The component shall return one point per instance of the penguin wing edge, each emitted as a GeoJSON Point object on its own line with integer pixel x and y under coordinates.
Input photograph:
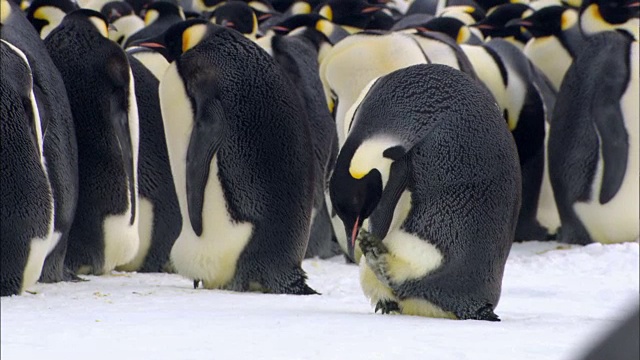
{"type": "Point", "coordinates": [206, 138]}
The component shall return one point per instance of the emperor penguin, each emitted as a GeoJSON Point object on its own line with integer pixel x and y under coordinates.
{"type": "Point", "coordinates": [159, 16]}
{"type": "Point", "coordinates": [59, 140]}
{"type": "Point", "coordinates": [123, 20]}
{"type": "Point", "coordinates": [27, 202]}
{"type": "Point", "coordinates": [433, 7]}
{"type": "Point", "coordinates": [297, 55]}
{"type": "Point", "coordinates": [556, 40]}
{"type": "Point", "coordinates": [239, 151]}
{"type": "Point", "coordinates": [429, 161]}
{"type": "Point", "coordinates": [160, 220]}
{"type": "Point", "coordinates": [594, 143]}
{"type": "Point", "coordinates": [101, 92]}
{"type": "Point", "coordinates": [45, 15]}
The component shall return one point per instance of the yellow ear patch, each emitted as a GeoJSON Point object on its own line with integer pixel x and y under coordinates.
{"type": "Point", "coordinates": [594, 10]}
{"type": "Point", "coordinates": [40, 13]}
{"type": "Point", "coordinates": [356, 174]}
{"type": "Point", "coordinates": [151, 16]}
{"type": "Point", "coordinates": [24, 5]}
{"type": "Point", "coordinates": [327, 12]}
{"type": "Point", "coordinates": [527, 13]}
{"type": "Point", "coordinates": [100, 25]}
{"type": "Point", "coordinates": [325, 27]}
{"type": "Point", "coordinates": [463, 35]}
{"type": "Point", "coordinates": [574, 3]}
{"type": "Point", "coordinates": [5, 10]}
{"type": "Point", "coordinates": [300, 7]}
{"type": "Point", "coordinates": [192, 36]}
{"type": "Point", "coordinates": [254, 28]}
{"type": "Point", "coordinates": [258, 6]}
{"type": "Point", "coordinates": [569, 19]}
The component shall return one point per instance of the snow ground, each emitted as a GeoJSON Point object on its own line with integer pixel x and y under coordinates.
{"type": "Point", "coordinates": [554, 302]}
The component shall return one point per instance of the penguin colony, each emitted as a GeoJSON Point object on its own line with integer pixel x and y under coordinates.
{"type": "Point", "coordinates": [226, 141]}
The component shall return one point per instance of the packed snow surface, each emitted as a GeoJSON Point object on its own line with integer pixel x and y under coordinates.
{"type": "Point", "coordinates": [555, 301]}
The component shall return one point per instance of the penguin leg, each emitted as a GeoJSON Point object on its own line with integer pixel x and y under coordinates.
{"type": "Point", "coordinates": [377, 256]}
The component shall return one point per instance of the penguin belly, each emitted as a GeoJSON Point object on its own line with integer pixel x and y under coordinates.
{"type": "Point", "coordinates": [550, 56]}
{"type": "Point", "coordinates": [211, 257]}
{"type": "Point", "coordinates": [617, 220]}
{"type": "Point", "coordinates": [547, 214]}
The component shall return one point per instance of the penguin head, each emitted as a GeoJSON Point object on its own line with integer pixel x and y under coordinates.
{"type": "Point", "coordinates": [449, 26]}
{"type": "Point", "coordinates": [494, 24]}
{"type": "Point", "coordinates": [604, 15]}
{"type": "Point", "coordinates": [465, 13]}
{"type": "Point", "coordinates": [354, 15]}
{"type": "Point", "coordinates": [207, 5]}
{"type": "Point", "coordinates": [236, 15]}
{"type": "Point", "coordinates": [88, 20]}
{"type": "Point", "coordinates": [114, 10]}
{"type": "Point", "coordinates": [182, 37]}
{"type": "Point", "coordinates": [45, 15]}
{"type": "Point", "coordinates": [361, 173]}
{"type": "Point", "coordinates": [162, 9]}
{"type": "Point", "coordinates": [296, 21]}
{"type": "Point", "coordinates": [489, 5]}
{"type": "Point", "coordinates": [548, 21]}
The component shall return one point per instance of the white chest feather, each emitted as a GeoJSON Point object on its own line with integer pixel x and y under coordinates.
{"type": "Point", "coordinates": [437, 51]}
{"type": "Point", "coordinates": [617, 220]}
{"type": "Point", "coordinates": [211, 257]}
{"type": "Point", "coordinates": [126, 26]}
{"type": "Point", "coordinates": [488, 72]}
{"type": "Point", "coordinates": [550, 56]}
{"type": "Point", "coordinates": [154, 62]}
{"type": "Point", "coordinates": [547, 214]}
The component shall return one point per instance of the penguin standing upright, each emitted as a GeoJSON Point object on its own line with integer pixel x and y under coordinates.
{"type": "Point", "coordinates": [594, 141]}
{"type": "Point", "coordinates": [297, 55]}
{"type": "Point", "coordinates": [60, 147]}
{"type": "Point", "coordinates": [494, 25]}
{"type": "Point", "coordinates": [429, 161]}
{"type": "Point", "coordinates": [160, 219]}
{"type": "Point", "coordinates": [101, 92]}
{"type": "Point", "coordinates": [26, 209]}
{"type": "Point", "coordinates": [239, 151]}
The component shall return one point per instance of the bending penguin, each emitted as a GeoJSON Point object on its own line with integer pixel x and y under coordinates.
{"type": "Point", "coordinates": [594, 140]}
{"type": "Point", "coordinates": [239, 153]}
{"type": "Point", "coordinates": [27, 203]}
{"type": "Point", "coordinates": [429, 161]}
{"type": "Point", "coordinates": [101, 92]}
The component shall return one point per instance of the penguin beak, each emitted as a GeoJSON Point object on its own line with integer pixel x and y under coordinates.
{"type": "Point", "coordinates": [482, 26]}
{"type": "Point", "coordinates": [634, 4]}
{"type": "Point", "coordinates": [264, 16]}
{"type": "Point", "coordinates": [112, 28]}
{"type": "Point", "coordinates": [351, 244]}
{"type": "Point", "coordinates": [280, 28]}
{"type": "Point", "coordinates": [518, 23]}
{"type": "Point", "coordinates": [152, 45]}
{"type": "Point", "coordinates": [370, 9]}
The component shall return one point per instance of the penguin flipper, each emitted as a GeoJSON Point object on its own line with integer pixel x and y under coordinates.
{"type": "Point", "coordinates": [206, 137]}
{"type": "Point", "coordinates": [614, 139]}
{"type": "Point", "coordinates": [118, 71]}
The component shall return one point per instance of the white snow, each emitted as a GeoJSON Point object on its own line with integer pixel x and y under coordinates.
{"type": "Point", "coordinates": [554, 302]}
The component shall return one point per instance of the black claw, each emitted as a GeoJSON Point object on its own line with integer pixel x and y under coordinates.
{"type": "Point", "coordinates": [387, 307]}
{"type": "Point", "coordinates": [486, 313]}
{"type": "Point", "coordinates": [196, 283]}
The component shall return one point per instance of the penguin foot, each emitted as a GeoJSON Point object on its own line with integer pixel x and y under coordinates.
{"type": "Point", "coordinates": [387, 307]}
{"type": "Point", "coordinates": [376, 255]}
{"type": "Point", "coordinates": [486, 313]}
{"type": "Point", "coordinates": [71, 276]}
{"type": "Point", "coordinates": [196, 283]}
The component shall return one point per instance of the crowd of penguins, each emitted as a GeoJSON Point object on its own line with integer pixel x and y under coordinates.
{"type": "Point", "coordinates": [226, 141]}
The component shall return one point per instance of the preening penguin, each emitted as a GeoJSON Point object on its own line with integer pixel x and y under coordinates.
{"type": "Point", "coordinates": [124, 20]}
{"type": "Point", "coordinates": [239, 152]}
{"type": "Point", "coordinates": [60, 148]}
{"type": "Point", "coordinates": [160, 219]}
{"type": "Point", "coordinates": [593, 143]}
{"type": "Point", "coordinates": [429, 161]}
{"type": "Point", "coordinates": [101, 92]}
{"type": "Point", "coordinates": [26, 208]}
